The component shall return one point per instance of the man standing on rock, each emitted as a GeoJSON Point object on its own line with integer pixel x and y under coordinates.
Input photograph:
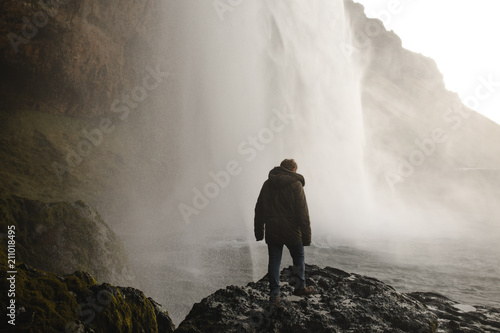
{"type": "Point", "coordinates": [281, 212]}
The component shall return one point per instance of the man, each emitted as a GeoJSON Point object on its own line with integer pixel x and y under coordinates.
{"type": "Point", "coordinates": [281, 214]}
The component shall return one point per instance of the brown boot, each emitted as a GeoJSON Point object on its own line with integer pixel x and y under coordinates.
{"type": "Point", "coordinates": [303, 291]}
{"type": "Point", "coordinates": [274, 300]}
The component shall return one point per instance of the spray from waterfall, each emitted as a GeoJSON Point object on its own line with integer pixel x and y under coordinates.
{"type": "Point", "coordinates": [268, 82]}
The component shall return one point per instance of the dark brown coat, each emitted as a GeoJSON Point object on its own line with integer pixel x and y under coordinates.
{"type": "Point", "coordinates": [281, 212]}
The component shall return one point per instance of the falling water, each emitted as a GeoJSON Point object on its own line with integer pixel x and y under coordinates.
{"type": "Point", "coordinates": [269, 81]}
{"type": "Point", "coordinates": [311, 76]}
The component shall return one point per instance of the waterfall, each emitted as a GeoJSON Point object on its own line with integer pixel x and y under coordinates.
{"type": "Point", "coordinates": [310, 74]}
{"type": "Point", "coordinates": [264, 81]}
{"type": "Point", "coordinates": [250, 84]}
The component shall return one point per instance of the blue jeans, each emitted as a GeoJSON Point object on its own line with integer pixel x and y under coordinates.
{"type": "Point", "coordinates": [275, 252]}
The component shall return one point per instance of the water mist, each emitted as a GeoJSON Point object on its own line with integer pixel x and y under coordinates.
{"type": "Point", "coordinates": [248, 87]}
{"type": "Point", "coordinates": [268, 82]}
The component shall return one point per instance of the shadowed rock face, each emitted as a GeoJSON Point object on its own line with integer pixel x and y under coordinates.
{"type": "Point", "coordinates": [74, 57]}
{"type": "Point", "coordinates": [342, 302]}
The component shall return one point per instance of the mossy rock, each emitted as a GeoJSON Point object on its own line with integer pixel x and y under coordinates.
{"type": "Point", "coordinates": [48, 302]}
{"type": "Point", "coordinates": [63, 237]}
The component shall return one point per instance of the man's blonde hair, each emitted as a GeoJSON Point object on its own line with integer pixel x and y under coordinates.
{"type": "Point", "coordinates": [289, 164]}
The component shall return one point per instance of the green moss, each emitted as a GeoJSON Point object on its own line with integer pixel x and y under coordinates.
{"type": "Point", "coordinates": [47, 304]}
{"type": "Point", "coordinates": [79, 283]}
{"type": "Point", "coordinates": [433, 326]}
{"type": "Point", "coordinates": [128, 311]}
{"type": "Point", "coordinates": [51, 302]}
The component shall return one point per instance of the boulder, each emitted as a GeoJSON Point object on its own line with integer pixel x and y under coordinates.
{"type": "Point", "coordinates": [460, 318]}
{"type": "Point", "coordinates": [48, 302]}
{"type": "Point", "coordinates": [63, 237]}
{"type": "Point", "coordinates": [343, 302]}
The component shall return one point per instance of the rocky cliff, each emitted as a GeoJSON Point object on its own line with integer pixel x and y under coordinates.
{"type": "Point", "coordinates": [74, 57]}
{"type": "Point", "coordinates": [423, 145]}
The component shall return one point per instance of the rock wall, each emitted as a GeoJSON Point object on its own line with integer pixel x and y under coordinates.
{"type": "Point", "coordinates": [74, 57]}
{"type": "Point", "coordinates": [423, 145]}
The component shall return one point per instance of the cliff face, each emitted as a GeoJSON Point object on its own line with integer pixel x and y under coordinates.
{"type": "Point", "coordinates": [423, 144]}
{"type": "Point", "coordinates": [74, 57]}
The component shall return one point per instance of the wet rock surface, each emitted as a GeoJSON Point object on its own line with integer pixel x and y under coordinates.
{"type": "Point", "coordinates": [342, 302]}
{"type": "Point", "coordinates": [456, 317]}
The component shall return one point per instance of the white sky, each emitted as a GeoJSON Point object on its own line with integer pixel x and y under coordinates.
{"type": "Point", "coordinates": [462, 36]}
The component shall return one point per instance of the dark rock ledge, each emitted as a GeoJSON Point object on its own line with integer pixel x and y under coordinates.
{"type": "Point", "coordinates": [343, 302]}
{"type": "Point", "coordinates": [456, 317]}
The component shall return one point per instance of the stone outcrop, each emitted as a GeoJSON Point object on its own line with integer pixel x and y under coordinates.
{"type": "Point", "coordinates": [343, 302]}
{"type": "Point", "coordinates": [63, 237]}
{"type": "Point", "coordinates": [47, 302]}
{"type": "Point", "coordinates": [456, 317]}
